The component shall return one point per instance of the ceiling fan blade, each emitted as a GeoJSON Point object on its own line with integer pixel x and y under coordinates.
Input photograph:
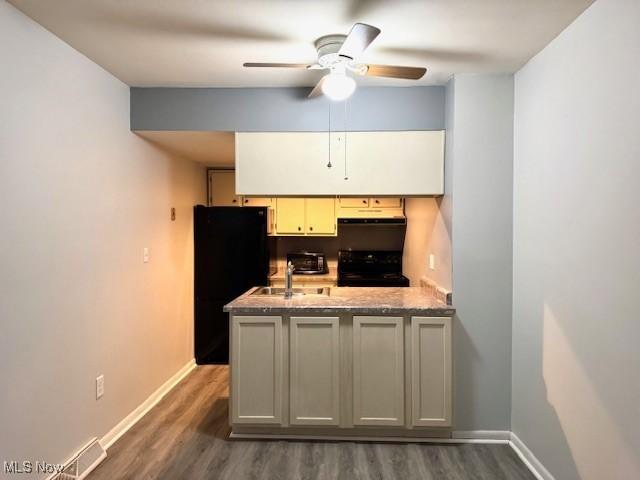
{"type": "Point", "coordinates": [359, 38]}
{"type": "Point", "coordinates": [317, 90]}
{"type": "Point", "coordinates": [278, 65]}
{"type": "Point", "coordinates": [394, 71]}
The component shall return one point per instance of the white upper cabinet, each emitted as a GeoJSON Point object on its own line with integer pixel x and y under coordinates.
{"type": "Point", "coordinates": [394, 163]}
{"type": "Point", "coordinates": [376, 163]}
{"type": "Point", "coordinates": [283, 163]}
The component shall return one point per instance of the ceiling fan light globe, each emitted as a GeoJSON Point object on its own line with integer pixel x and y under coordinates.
{"type": "Point", "coordinates": [338, 87]}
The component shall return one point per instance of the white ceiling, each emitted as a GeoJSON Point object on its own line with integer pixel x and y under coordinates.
{"type": "Point", "coordinates": [204, 43]}
{"type": "Point", "coordinates": [214, 149]}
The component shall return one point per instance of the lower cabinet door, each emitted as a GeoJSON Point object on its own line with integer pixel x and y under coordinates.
{"type": "Point", "coordinates": [314, 371]}
{"type": "Point", "coordinates": [378, 371]}
{"type": "Point", "coordinates": [431, 371]}
{"type": "Point", "coordinates": [256, 376]}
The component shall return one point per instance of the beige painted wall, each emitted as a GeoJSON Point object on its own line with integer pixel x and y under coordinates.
{"type": "Point", "coordinates": [427, 233]}
{"type": "Point", "coordinates": [81, 196]}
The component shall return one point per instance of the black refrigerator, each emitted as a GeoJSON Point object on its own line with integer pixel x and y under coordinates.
{"type": "Point", "coordinates": [232, 254]}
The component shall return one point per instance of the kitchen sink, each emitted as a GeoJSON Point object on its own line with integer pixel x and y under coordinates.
{"type": "Point", "coordinates": [297, 292]}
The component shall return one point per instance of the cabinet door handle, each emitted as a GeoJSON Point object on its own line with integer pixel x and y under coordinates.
{"type": "Point", "coordinates": [233, 201]}
{"type": "Point", "coordinates": [364, 201]}
{"type": "Point", "coordinates": [311, 229]}
{"type": "Point", "coordinates": [377, 201]}
{"type": "Point", "coordinates": [299, 228]}
{"type": "Point", "coordinates": [246, 201]}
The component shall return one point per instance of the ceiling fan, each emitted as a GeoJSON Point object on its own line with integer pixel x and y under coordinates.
{"type": "Point", "coordinates": [339, 54]}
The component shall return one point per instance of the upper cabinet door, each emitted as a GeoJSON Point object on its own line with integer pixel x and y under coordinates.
{"type": "Point", "coordinates": [290, 216]}
{"type": "Point", "coordinates": [320, 216]}
{"type": "Point", "coordinates": [362, 163]}
{"type": "Point", "coordinates": [284, 163]}
{"type": "Point", "coordinates": [354, 202]}
{"type": "Point", "coordinates": [395, 163]}
{"type": "Point", "coordinates": [257, 202]}
{"type": "Point", "coordinates": [222, 189]}
{"type": "Point", "coordinates": [385, 202]}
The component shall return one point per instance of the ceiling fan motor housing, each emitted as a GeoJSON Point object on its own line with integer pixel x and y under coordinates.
{"type": "Point", "coordinates": [328, 48]}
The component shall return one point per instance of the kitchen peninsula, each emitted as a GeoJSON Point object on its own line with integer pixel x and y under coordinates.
{"type": "Point", "coordinates": [363, 362]}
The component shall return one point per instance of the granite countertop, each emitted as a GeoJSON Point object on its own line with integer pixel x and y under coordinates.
{"type": "Point", "coordinates": [361, 300]}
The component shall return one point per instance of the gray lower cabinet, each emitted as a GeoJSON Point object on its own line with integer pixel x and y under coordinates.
{"type": "Point", "coordinates": [256, 369]}
{"type": "Point", "coordinates": [340, 371]}
{"type": "Point", "coordinates": [431, 371]}
{"type": "Point", "coordinates": [314, 371]}
{"type": "Point", "coordinates": [378, 370]}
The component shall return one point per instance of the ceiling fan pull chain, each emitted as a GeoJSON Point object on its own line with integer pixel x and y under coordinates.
{"type": "Point", "coordinates": [345, 141]}
{"type": "Point", "coordinates": [329, 164]}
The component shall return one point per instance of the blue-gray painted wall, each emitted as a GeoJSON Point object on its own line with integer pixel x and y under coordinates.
{"type": "Point", "coordinates": [286, 109]}
{"type": "Point", "coordinates": [479, 188]}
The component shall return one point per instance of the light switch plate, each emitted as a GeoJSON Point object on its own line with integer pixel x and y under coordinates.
{"type": "Point", "coordinates": [99, 386]}
{"type": "Point", "coordinates": [432, 261]}
{"type": "Point", "coordinates": [145, 254]}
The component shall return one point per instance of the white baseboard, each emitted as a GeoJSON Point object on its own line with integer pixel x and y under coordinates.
{"type": "Point", "coordinates": [130, 420]}
{"type": "Point", "coordinates": [529, 459]}
{"type": "Point", "coordinates": [473, 436]}
{"type": "Point", "coordinates": [360, 438]}
{"type": "Point", "coordinates": [498, 436]}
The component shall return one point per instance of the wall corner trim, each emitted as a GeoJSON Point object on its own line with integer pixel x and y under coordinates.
{"type": "Point", "coordinates": [140, 411]}
{"type": "Point", "coordinates": [529, 459]}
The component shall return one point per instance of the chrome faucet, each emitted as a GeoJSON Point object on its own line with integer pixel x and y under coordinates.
{"type": "Point", "coordinates": [288, 281]}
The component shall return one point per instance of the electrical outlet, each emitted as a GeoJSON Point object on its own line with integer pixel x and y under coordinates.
{"type": "Point", "coordinates": [432, 261]}
{"type": "Point", "coordinates": [99, 386]}
{"type": "Point", "coordinates": [145, 255]}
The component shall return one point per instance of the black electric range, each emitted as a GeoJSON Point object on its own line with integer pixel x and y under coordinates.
{"type": "Point", "coordinates": [370, 268]}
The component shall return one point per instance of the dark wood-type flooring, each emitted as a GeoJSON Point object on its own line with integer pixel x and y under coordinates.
{"type": "Point", "coordinates": [185, 437]}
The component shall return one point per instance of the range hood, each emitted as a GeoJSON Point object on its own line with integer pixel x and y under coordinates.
{"type": "Point", "coordinates": [373, 221]}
